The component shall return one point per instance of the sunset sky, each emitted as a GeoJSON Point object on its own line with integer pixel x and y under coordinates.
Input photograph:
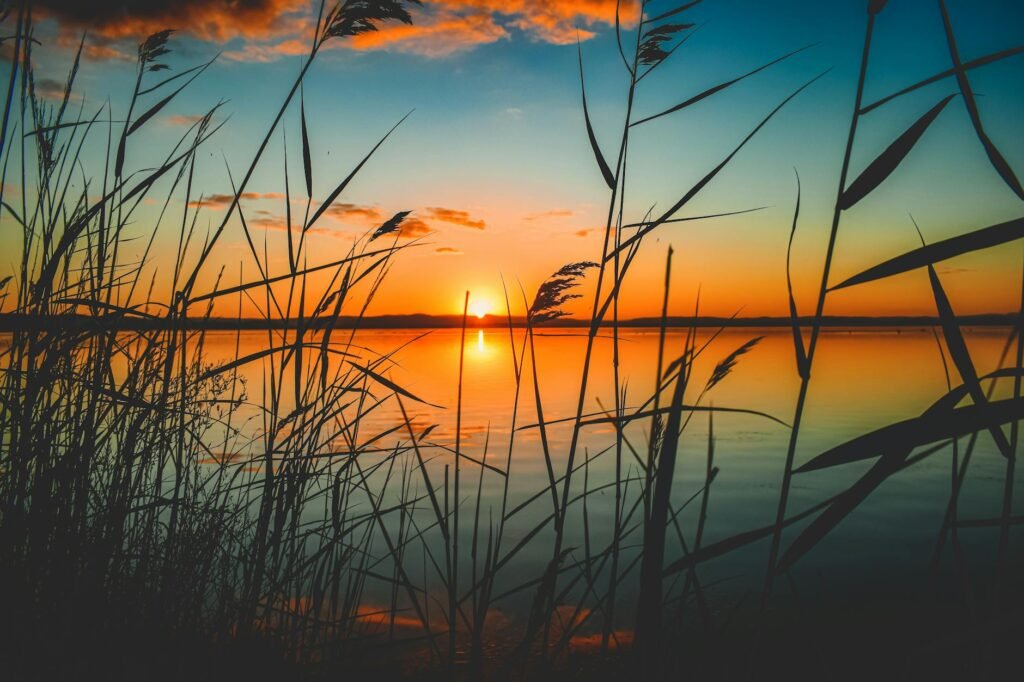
{"type": "Point", "coordinates": [495, 164]}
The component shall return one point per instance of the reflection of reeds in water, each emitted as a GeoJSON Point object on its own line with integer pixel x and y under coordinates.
{"type": "Point", "coordinates": [162, 518]}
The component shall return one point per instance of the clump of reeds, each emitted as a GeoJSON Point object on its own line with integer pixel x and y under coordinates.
{"type": "Point", "coordinates": [155, 513]}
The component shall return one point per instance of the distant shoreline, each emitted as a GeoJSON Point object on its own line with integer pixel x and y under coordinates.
{"type": "Point", "coordinates": [11, 322]}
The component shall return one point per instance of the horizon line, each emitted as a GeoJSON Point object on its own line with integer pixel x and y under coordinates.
{"type": "Point", "coordinates": [10, 322]}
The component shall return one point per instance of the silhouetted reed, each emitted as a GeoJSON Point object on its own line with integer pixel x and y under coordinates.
{"type": "Point", "coordinates": [160, 518]}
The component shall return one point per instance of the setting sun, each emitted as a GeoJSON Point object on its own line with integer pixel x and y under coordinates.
{"type": "Point", "coordinates": [479, 307]}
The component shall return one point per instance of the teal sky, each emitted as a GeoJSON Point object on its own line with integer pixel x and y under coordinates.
{"type": "Point", "coordinates": [497, 141]}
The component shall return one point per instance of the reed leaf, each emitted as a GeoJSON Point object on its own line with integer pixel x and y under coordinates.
{"type": "Point", "coordinates": [590, 420]}
{"type": "Point", "coordinates": [798, 337]}
{"type": "Point", "coordinates": [961, 356]}
{"type": "Point", "coordinates": [930, 427]}
{"type": "Point", "coordinates": [649, 602]}
{"type": "Point", "coordinates": [344, 183]}
{"type": "Point", "coordinates": [966, 66]}
{"type": "Point", "coordinates": [606, 172]}
{"type": "Point", "coordinates": [995, 157]}
{"type": "Point", "coordinates": [718, 88]}
{"type": "Point", "coordinates": [985, 238]}
{"type": "Point", "coordinates": [158, 107]}
{"type": "Point", "coordinates": [709, 176]}
{"type": "Point", "coordinates": [886, 162]}
{"type": "Point", "coordinates": [844, 504]}
{"type": "Point", "coordinates": [260, 354]}
{"type": "Point", "coordinates": [673, 12]}
{"type": "Point", "coordinates": [307, 162]}
{"type": "Point", "coordinates": [734, 542]}
{"type": "Point", "coordinates": [387, 383]}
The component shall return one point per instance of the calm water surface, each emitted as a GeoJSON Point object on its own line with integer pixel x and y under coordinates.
{"type": "Point", "coordinates": [862, 380]}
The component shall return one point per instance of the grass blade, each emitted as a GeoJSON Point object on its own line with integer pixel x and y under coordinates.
{"type": "Point", "coordinates": [846, 502]}
{"type": "Point", "coordinates": [985, 238]}
{"type": "Point", "coordinates": [930, 427]}
{"type": "Point", "coordinates": [606, 172]}
{"type": "Point", "coordinates": [695, 190]}
{"type": "Point", "coordinates": [673, 12]}
{"type": "Point", "coordinates": [886, 162]}
{"type": "Point", "coordinates": [798, 337]}
{"type": "Point", "coordinates": [718, 88]}
{"type": "Point", "coordinates": [967, 66]}
{"type": "Point", "coordinates": [961, 355]}
{"type": "Point", "coordinates": [387, 383]}
{"type": "Point", "coordinates": [307, 163]}
{"type": "Point", "coordinates": [997, 160]}
{"type": "Point", "coordinates": [156, 108]}
{"type": "Point", "coordinates": [344, 183]}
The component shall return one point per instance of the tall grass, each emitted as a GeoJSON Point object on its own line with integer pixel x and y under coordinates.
{"type": "Point", "coordinates": [160, 518]}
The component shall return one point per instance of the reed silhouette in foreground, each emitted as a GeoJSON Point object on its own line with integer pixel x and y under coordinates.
{"type": "Point", "coordinates": [161, 518]}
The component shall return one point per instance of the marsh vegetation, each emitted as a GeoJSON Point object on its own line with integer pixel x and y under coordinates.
{"type": "Point", "coordinates": [179, 503]}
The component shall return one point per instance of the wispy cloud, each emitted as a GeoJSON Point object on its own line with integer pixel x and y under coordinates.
{"type": "Point", "coordinates": [456, 217]}
{"type": "Point", "coordinates": [413, 225]}
{"type": "Point", "coordinates": [278, 224]}
{"type": "Point", "coordinates": [554, 213]}
{"type": "Point", "coordinates": [183, 119]}
{"type": "Point", "coordinates": [447, 251]}
{"type": "Point", "coordinates": [350, 211]}
{"type": "Point", "coordinates": [268, 51]}
{"type": "Point", "coordinates": [218, 202]}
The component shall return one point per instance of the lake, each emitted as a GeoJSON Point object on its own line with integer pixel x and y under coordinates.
{"type": "Point", "coordinates": [863, 379]}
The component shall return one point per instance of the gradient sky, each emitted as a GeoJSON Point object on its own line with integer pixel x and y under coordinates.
{"type": "Point", "coordinates": [495, 159]}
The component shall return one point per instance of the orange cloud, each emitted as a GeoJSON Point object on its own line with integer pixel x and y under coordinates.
{"type": "Point", "coordinates": [450, 26]}
{"type": "Point", "coordinates": [413, 227]}
{"type": "Point", "coordinates": [555, 213]}
{"type": "Point", "coordinates": [183, 119]}
{"type": "Point", "coordinates": [275, 28]}
{"type": "Point", "coordinates": [439, 33]}
{"type": "Point", "coordinates": [97, 47]}
{"type": "Point", "coordinates": [554, 21]}
{"type": "Point", "coordinates": [348, 211]}
{"type": "Point", "coordinates": [268, 52]}
{"type": "Point", "coordinates": [448, 251]}
{"type": "Point", "coordinates": [450, 215]}
{"type": "Point", "coordinates": [277, 224]}
{"type": "Point", "coordinates": [438, 36]}
{"type": "Point", "coordinates": [367, 215]}
{"type": "Point", "coordinates": [218, 202]}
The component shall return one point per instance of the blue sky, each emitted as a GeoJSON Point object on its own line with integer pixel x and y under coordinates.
{"type": "Point", "coordinates": [497, 134]}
